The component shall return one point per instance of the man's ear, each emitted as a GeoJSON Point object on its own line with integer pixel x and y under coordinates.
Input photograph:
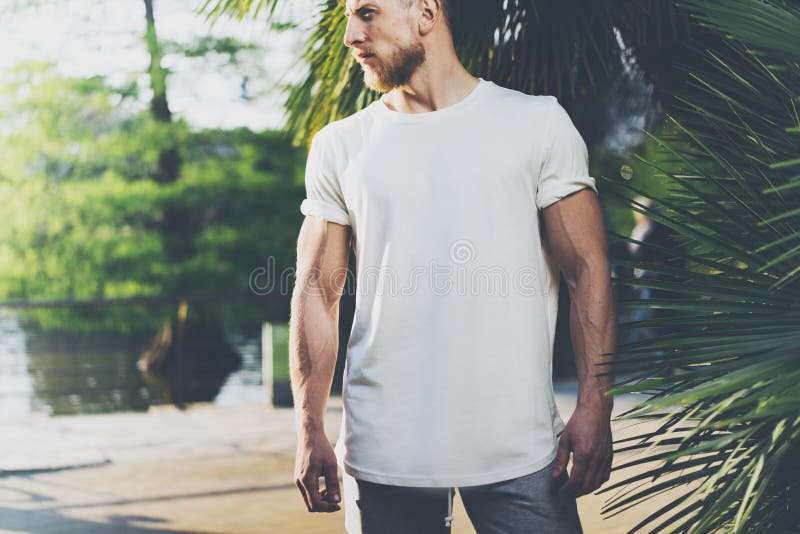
{"type": "Point", "coordinates": [430, 14]}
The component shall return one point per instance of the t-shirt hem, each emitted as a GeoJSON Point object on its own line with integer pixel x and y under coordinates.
{"type": "Point", "coordinates": [324, 210]}
{"type": "Point", "coordinates": [555, 193]}
{"type": "Point", "coordinates": [450, 482]}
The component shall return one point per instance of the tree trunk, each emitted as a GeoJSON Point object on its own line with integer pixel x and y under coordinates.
{"type": "Point", "coordinates": [166, 352]}
{"type": "Point", "coordinates": [169, 162]}
{"type": "Point", "coordinates": [158, 76]}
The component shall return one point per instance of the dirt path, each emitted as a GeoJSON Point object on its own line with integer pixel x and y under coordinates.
{"type": "Point", "coordinates": [209, 469]}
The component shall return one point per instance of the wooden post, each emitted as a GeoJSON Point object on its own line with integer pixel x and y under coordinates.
{"type": "Point", "coordinates": [275, 363]}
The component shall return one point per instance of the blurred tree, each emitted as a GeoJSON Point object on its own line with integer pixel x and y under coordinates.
{"type": "Point", "coordinates": [159, 106]}
{"type": "Point", "coordinates": [83, 214]}
{"type": "Point", "coordinates": [104, 201]}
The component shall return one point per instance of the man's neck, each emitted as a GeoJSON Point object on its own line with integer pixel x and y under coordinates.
{"type": "Point", "coordinates": [431, 90]}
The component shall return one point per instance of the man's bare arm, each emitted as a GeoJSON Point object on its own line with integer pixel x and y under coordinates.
{"type": "Point", "coordinates": [322, 251]}
{"type": "Point", "coordinates": [575, 233]}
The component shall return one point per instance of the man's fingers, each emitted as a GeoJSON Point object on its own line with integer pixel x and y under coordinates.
{"type": "Point", "coordinates": [594, 469]}
{"type": "Point", "coordinates": [574, 485]}
{"type": "Point", "coordinates": [318, 503]}
{"type": "Point", "coordinates": [332, 484]}
{"type": "Point", "coordinates": [311, 483]}
{"type": "Point", "coordinates": [604, 468]}
{"type": "Point", "coordinates": [605, 473]}
{"type": "Point", "coordinates": [562, 455]}
{"type": "Point", "coordinates": [304, 494]}
{"type": "Point", "coordinates": [597, 473]}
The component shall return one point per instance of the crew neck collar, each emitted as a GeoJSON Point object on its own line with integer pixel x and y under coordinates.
{"type": "Point", "coordinates": [384, 112]}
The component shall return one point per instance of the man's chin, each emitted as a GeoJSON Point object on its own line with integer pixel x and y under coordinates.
{"type": "Point", "coordinates": [375, 82]}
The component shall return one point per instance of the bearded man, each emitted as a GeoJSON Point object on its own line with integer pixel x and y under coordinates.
{"type": "Point", "coordinates": [464, 203]}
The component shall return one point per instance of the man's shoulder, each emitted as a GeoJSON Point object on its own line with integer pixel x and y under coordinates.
{"type": "Point", "coordinates": [520, 102]}
{"type": "Point", "coordinates": [347, 127]}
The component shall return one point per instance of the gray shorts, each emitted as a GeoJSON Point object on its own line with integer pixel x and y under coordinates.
{"type": "Point", "coordinates": [526, 504]}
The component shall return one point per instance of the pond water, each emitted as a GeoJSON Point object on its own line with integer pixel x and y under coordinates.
{"type": "Point", "coordinates": [78, 373]}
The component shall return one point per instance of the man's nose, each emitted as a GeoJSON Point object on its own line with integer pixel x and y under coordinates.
{"type": "Point", "coordinates": [353, 33]}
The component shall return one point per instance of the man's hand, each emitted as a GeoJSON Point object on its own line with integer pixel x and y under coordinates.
{"type": "Point", "coordinates": [315, 459]}
{"type": "Point", "coordinates": [588, 436]}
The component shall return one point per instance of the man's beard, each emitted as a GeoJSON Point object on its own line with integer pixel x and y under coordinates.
{"type": "Point", "coordinates": [397, 70]}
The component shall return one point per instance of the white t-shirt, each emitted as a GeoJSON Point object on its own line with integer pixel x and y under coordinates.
{"type": "Point", "coordinates": [448, 378]}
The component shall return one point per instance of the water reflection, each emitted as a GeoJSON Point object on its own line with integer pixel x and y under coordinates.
{"type": "Point", "coordinates": [16, 385]}
{"type": "Point", "coordinates": [65, 373]}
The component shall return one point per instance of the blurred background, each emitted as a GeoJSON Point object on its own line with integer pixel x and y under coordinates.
{"type": "Point", "coordinates": [142, 167]}
{"type": "Point", "coordinates": [151, 171]}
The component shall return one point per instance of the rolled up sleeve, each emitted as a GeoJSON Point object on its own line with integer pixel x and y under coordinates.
{"type": "Point", "coordinates": [324, 198]}
{"type": "Point", "coordinates": [565, 168]}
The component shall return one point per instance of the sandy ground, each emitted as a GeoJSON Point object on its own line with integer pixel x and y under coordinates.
{"type": "Point", "coordinates": [208, 469]}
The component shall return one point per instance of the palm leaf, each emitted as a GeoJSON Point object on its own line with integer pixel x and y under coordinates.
{"type": "Point", "coordinates": [728, 395]}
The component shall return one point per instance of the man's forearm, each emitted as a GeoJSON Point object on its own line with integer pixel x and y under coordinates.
{"type": "Point", "coordinates": [313, 346]}
{"type": "Point", "coordinates": [593, 328]}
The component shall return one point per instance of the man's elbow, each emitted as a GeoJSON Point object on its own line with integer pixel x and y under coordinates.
{"type": "Point", "coordinates": [322, 296]}
{"type": "Point", "coordinates": [587, 271]}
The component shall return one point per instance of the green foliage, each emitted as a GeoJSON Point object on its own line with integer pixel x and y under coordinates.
{"type": "Point", "coordinates": [83, 215]}
{"type": "Point", "coordinates": [642, 160]}
{"type": "Point", "coordinates": [772, 26]}
{"type": "Point", "coordinates": [207, 44]}
{"type": "Point", "coordinates": [214, 9]}
{"type": "Point", "coordinates": [726, 382]}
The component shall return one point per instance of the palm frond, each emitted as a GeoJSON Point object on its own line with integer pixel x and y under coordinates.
{"type": "Point", "coordinates": [725, 383]}
{"type": "Point", "coordinates": [214, 9]}
{"type": "Point", "coordinates": [767, 26]}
